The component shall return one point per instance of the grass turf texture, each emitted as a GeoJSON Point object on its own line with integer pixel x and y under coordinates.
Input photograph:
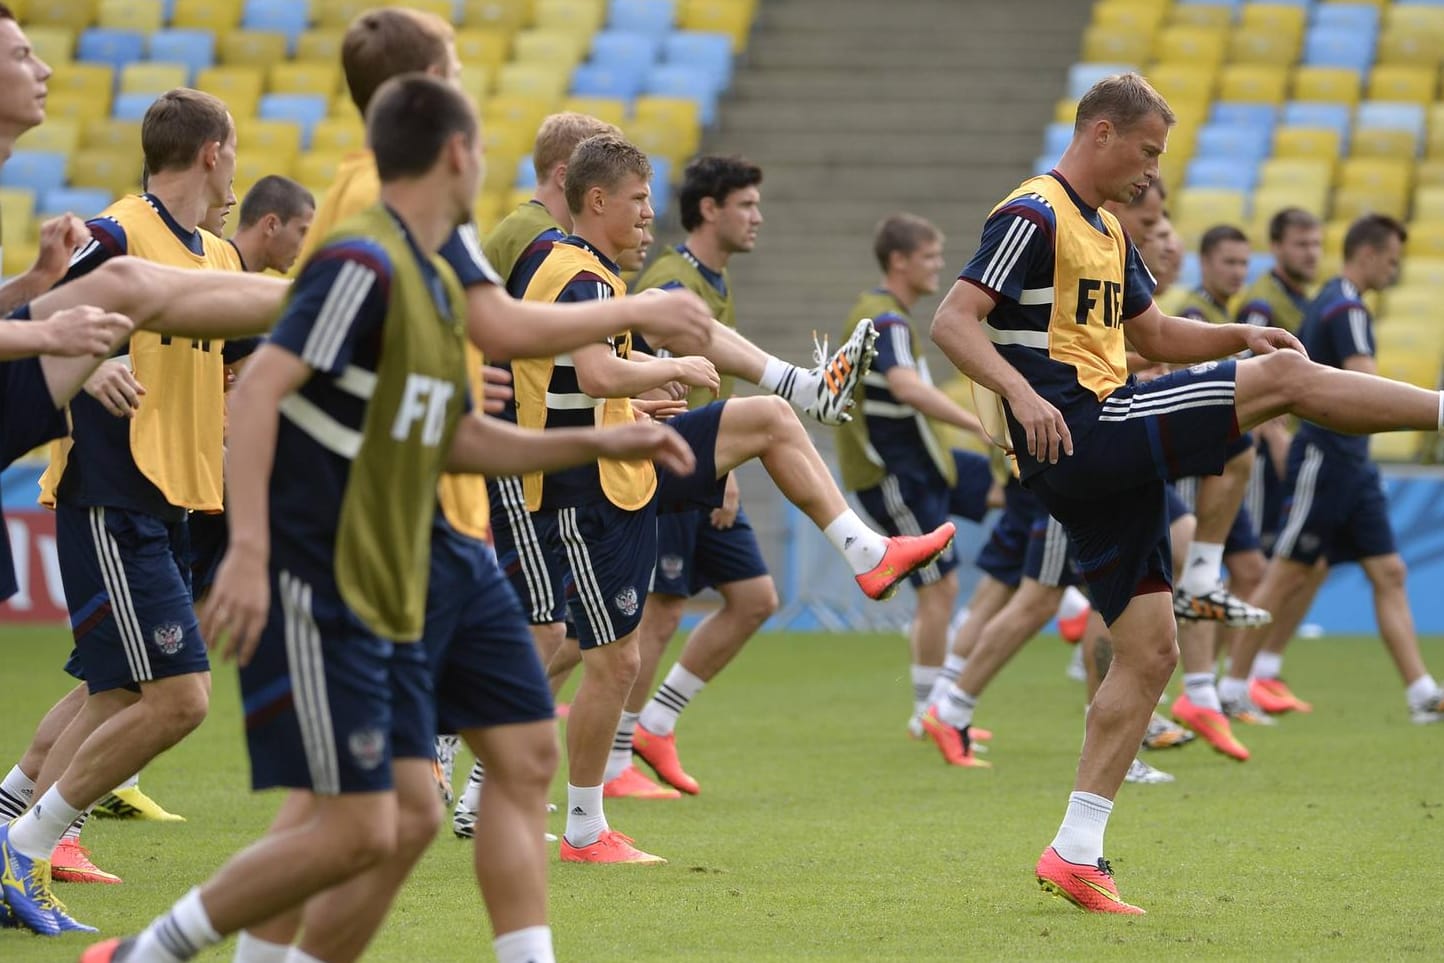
{"type": "Point", "coordinates": [822, 833]}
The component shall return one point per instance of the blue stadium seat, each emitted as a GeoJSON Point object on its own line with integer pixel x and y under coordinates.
{"type": "Point", "coordinates": [1383, 113]}
{"type": "Point", "coordinates": [194, 48]}
{"type": "Point", "coordinates": [130, 106]}
{"type": "Point", "coordinates": [619, 81]}
{"type": "Point", "coordinates": [1057, 138]}
{"type": "Point", "coordinates": [1244, 145]}
{"type": "Point", "coordinates": [1190, 273]}
{"type": "Point", "coordinates": [711, 52]}
{"type": "Point", "coordinates": [672, 80]}
{"type": "Point", "coordinates": [1338, 47]}
{"type": "Point", "coordinates": [37, 170]}
{"type": "Point", "coordinates": [651, 17]}
{"type": "Point", "coordinates": [661, 184]}
{"type": "Point", "coordinates": [1357, 17]}
{"type": "Point", "coordinates": [81, 201]}
{"type": "Point", "coordinates": [1302, 113]}
{"type": "Point", "coordinates": [115, 47]}
{"type": "Point", "coordinates": [304, 110]}
{"type": "Point", "coordinates": [1083, 76]}
{"type": "Point", "coordinates": [613, 47]}
{"type": "Point", "coordinates": [1258, 265]}
{"type": "Point", "coordinates": [1249, 115]}
{"type": "Point", "coordinates": [277, 16]}
{"type": "Point", "coordinates": [1225, 172]}
{"type": "Point", "coordinates": [525, 174]}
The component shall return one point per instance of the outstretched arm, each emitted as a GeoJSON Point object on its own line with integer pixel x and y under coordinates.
{"type": "Point", "coordinates": [490, 446]}
{"type": "Point", "coordinates": [602, 374]}
{"type": "Point", "coordinates": [60, 237]}
{"type": "Point", "coordinates": [1183, 341]}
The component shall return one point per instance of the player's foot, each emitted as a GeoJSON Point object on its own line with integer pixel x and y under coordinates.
{"type": "Point", "coordinates": [114, 950]}
{"type": "Point", "coordinates": [1218, 605]}
{"type": "Point", "coordinates": [1142, 772]}
{"type": "Point", "coordinates": [1274, 695]}
{"type": "Point", "coordinates": [25, 887]}
{"type": "Point", "coordinates": [905, 554]}
{"type": "Point", "coordinates": [632, 784]}
{"type": "Point", "coordinates": [70, 863]}
{"type": "Point", "coordinates": [463, 821]}
{"type": "Point", "coordinates": [838, 375]}
{"type": "Point", "coordinates": [1075, 670]}
{"type": "Point", "coordinates": [1072, 629]}
{"type": "Point", "coordinates": [610, 847]}
{"type": "Point", "coordinates": [1245, 711]}
{"type": "Point", "coordinates": [1211, 725]}
{"type": "Point", "coordinates": [955, 744]}
{"type": "Point", "coordinates": [1089, 888]}
{"type": "Point", "coordinates": [660, 752]}
{"type": "Point", "coordinates": [132, 803]}
{"type": "Point", "coordinates": [446, 747]}
{"type": "Point", "coordinates": [1429, 710]}
{"type": "Point", "coordinates": [1162, 734]}
{"type": "Point", "coordinates": [443, 782]}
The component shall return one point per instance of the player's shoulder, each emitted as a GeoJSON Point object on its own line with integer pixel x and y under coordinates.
{"type": "Point", "coordinates": [353, 254]}
{"type": "Point", "coordinates": [1027, 204]}
{"type": "Point", "coordinates": [1338, 296]}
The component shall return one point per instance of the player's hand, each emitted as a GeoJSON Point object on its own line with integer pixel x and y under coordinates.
{"type": "Point", "coordinates": [677, 320]}
{"type": "Point", "coordinates": [60, 238]}
{"type": "Point", "coordinates": [725, 517]}
{"type": "Point", "coordinates": [658, 409]}
{"type": "Point", "coordinates": [115, 388]}
{"type": "Point", "coordinates": [699, 373]}
{"type": "Point", "coordinates": [1047, 432]}
{"type": "Point", "coordinates": [84, 330]}
{"type": "Point", "coordinates": [651, 440]}
{"type": "Point", "coordinates": [237, 605]}
{"type": "Point", "coordinates": [1262, 340]}
{"type": "Point", "coordinates": [497, 385]}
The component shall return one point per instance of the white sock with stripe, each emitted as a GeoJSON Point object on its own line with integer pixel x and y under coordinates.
{"type": "Point", "coordinates": [787, 380]}
{"type": "Point", "coordinates": [1201, 690]}
{"type": "Point", "coordinates": [530, 945]}
{"type": "Point", "coordinates": [860, 545]}
{"type": "Point", "coordinates": [924, 678]}
{"type": "Point", "coordinates": [130, 783]}
{"type": "Point", "coordinates": [471, 795]}
{"type": "Point", "coordinates": [956, 706]}
{"type": "Point", "coordinates": [72, 832]}
{"type": "Point", "coordinates": [952, 668]}
{"type": "Point", "coordinates": [1080, 838]}
{"type": "Point", "coordinates": [621, 754]}
{"type": "Point", "coordinates": [16, 793]}
{"type": "Point", "coordinates": [253, 949]}
{"type": "Point", "coordinates": [36, 833]}
{"type": "Point", "coordinates": [585, 819]}
{"type": "Point", "coordinates": [1203, 572]}
{"type": "Point", "coordinates": [1267, 665]}
{"type": "Point", "coordinates": [1234, 690]}
{"type": "Point", "coordinates": [659, 715]}
{"type": "Point", "coordinates": [178, 934]}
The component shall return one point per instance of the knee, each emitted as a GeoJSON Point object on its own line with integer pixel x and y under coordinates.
{"type": "Point", "coordinates": [1389, 573]}
{"type": "Point", "coordinates": [420, 820]}
{"type": "Point", "coordinates": [617, 665]}
{"type": "Point", "coordinates": [181, 707]}
{"type": "Point", "coordinates": [756, 605]}
{"type": "Point", "coordinates": [1287, 371]}
{"type": "Point", "coordinates": [1245, 572]}
{"type": "Point", "coordinates": [366, 843]}
{"type": "Point", "coordinates": [529, 765]}
{"type": "Point", "coordinates": [775, 415]}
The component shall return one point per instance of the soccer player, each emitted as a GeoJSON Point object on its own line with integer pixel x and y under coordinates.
{"type": "Point", "coordinates": [1335, 507]}
{"type": "Point", "coordinates": [343, 551]}
{"type": "Point", "coordinates": [604, 517]}
{"type": "Point", "coordinates": [1279, 296]}
{"type": "Point", "coordinates": [1096, 447]}
{"type": "Point", "coordinates": [1223, 263]}
{"type": "Point", "coordinates": [275, 216]}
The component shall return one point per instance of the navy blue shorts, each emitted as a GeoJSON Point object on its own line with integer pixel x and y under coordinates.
{"type": "Point", "coordinates": [521, 539]}
{"type": "Point", "coordinates": [610, 555]}
{"type": "Point", "coordinates": [1335, 509]}
{"type": "Point", "coordinates": [914, 504]}
{"type": "Point", "coordinates": [1176, 506]}
{"type": "Point", "coordinates": [1003, 553]}
{"type": "Point", "coordinates": [692, 555]}
{"type": "Point", "coordinates": [328, 703]}
{"type": "Point", "coordinates": [1265, 499]}
{"type": "Point", "coordinates": [483, 662]}
{"type": "Point", "coordinates": [1049, 559]}
{"type": "Point", "coordinates": [28, 415]}
{"type": "Point", "coordinates": [209, 539]}
{"type": "Point", "coordinates": [702, 489]}
{"type": "Point", "coordinates": [127, 584]}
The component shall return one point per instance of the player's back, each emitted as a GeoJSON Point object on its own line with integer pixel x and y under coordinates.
{"type": "Point", "coordinates": [519, 244]}
{"type": "Point", "coordinates": [1272, 301]}
{"type": "Point", "coordinates": [1336, 327]}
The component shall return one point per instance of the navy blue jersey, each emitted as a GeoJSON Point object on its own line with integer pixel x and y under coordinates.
{"type": "Point", "coordinates": [531, 259]}
{"type": "Point", "coordinates": [1337, 326]}
{"type": "Point", "coordinates": [107, 240]}
{"type": "Point", "coordinates": [892, 427]}
{"type": "Point", "coordinates": [462, 252]}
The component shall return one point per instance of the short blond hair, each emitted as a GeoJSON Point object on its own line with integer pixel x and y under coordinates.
{"type": "Point", "coordinates": [602, 161]}
{"type": "Point", "coordinates": [560, 134]}
{"type": "Point", "coordinates": [1124, 99]}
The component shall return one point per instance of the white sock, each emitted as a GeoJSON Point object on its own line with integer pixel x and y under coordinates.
{"type": "Point", "coordinates": [36, 833]}
{"type": "Point", "coordinates": [1074, 603]}
{"type": "Point", "coordinates": [1231, 689]}
{"type": "Point", "coordinates": [953, 667]}
{"type": "Point", "coordinates": [861, 546]}
{"type": "Point", "coordinates": [253, 949]}
{"type": "Point", "coordinates": [130, 783]}
{"type": "Point", "coordinates": [530, 945]}
{"type": "Point", "coordinates": [585, 819]}
{"type": "Point", "coordinates": [659, 715]}
{"type": "Point", "coordinates": [16, 794]}
{"type": "Point", "coordinates": [298, 955]}
{"type": "Point", "coordinates": [956, 706]}
{"type": "Point", "coordinates": [621, 755]}
{"type": "Point", "coordinates": [1203, 571]}
{"type": "Point", "coordinates": [924, 677]}
{"type": "Point", "coordinates": [787, 380]}
{"type": "Point", "coordinates": [1421, 689]}
{"type": "Point", "coordinates": [178, 934]}
{"type": "Point", "coordinates": [1080, 838]}
{"type": "Point", "coordinates": [1201, 690]}
{"type": "Point", "coordinates": [1267, 665]}
{"type": "Point", "coordinates": [471, 795]}
{"type": "Point", "coordinates": [73, 830]}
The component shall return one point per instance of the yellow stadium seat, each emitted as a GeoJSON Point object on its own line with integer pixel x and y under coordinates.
{"type": "Point", "coordinates": [17, 210]}
{"type": "Point", "coordinates": [1407, 301]}
{"type": "Point", "coordinates": [256, 48]}
{"type": "Point", "coordinates": [1434, 131]}
{"type": "Point", "coordinates": [1371, 172]}
{"type": "Point", "coordinates": [501, 164]}
{"type": "Point", "coordinates": [676, 144]}
{"type": "Point", "coordinates": [317, 168]}
{"type": "Point", "coordinates": [86, 80]}
{"type": "Point", "coordinates": [53, 44]}
{"type": "Point", "coordinates": [1199, 208]}
{"type": "Point", "coordinates": [1398, 446]}
{"type": "Point", "coordinates": [1420, 18]}
{"type": "Point", "coordinates": [277, 141]}
{"type": "Point", "coordinates": [339, 134]}
{"type": "Point", "coordinates": [146, 77]}
{"type": "Point", "coordinates": [1382, 142]}
{"type": "Point", "coordinates": [1413, 83]}
{"type": "Point", "coordinates": [339, 13]}
{"type": "Point", "coordinates": [513, 110]}
{"type": "Point", "coordinates": [1109, 45]}
{"type": "Point", "coordinates": [537, 80]}
{"type": "Point", "coordinates": [1253, 83]}
{"type": "Point", "coordinates": [1183, 81]}
{"type": "Point", "coordinates": [1353, 201]}
{"type": "Point", "coordinates": [487, 48]}
{"type": "Point", "coordinates": [1192, 45]}
{"type": "Point", "coordinates": [1262, 45]}
{"type": "Point", "coordinates": [1428, 203]}
{"type": "Point", "coordinates": [1065, 111]}
{"type": "Point", "coordinates": [476, 80]}
{"type": "Point", "coordinates": [1419, 269]}
{"type": "Point", "coordinates": [1334, 231]}
{"type": "Point", "coordinates": [19, 257]}
{"type": "Point", "coordinates": [1333, 84]}
{"type": "Point", "coordinates": [1129, 17]}
{"type": "Point", "coordinates": [1208, 15]}
{"type": "Point", "coordinates": [573, 16]}
{"type": "Point", "coordinates": [114, 171]}
{"type": "Point", "coordinates": [1278, 18]}
{"type": "Point", "coordinates": [81, 108]}
{"type": "Point", "coordinates": [60, 136]}
{"type": "Point", "coordinates": [219, 16]}
{"type": "Point", "coordinates": [1283, 171]}
{"type": "Point", "coordinates": [557, 50]}
{"type": "Point", "coordinates": [251, 167]}
{"type": "Point", "coordinates": [517, 196]}
{"type": "Point", "coordinates": [74, 15]}
{"type": "Point", "coordinates": [1405, 45]}
{"type": "Point", "coordinates": [507, 16]}
{"type": "Point", "coordinates": [321, 79]}
{"type": "Point", "coordinates": [142, 16]}
{"type": "Point", "coordinates": [1310, 142]}
{"type": "Point", "coordinates": [322, 46]}
{"type": "Point", "coordinates": [1268, 201]}
{"type": "Point", "coordinates": [602, 108]}
{"type": "Point", "coordinates": [488, 210]}
{"type": "Point", "coordinates": [732, 17]}
{"type": "Point", "coordinates": [677, 111]}
{"type": "Point", "coordinates": [1426, 239]}
{"type": "Point", "coordinates": [239, 86]}
{"type": "Point", "coordinates": [122, 136]}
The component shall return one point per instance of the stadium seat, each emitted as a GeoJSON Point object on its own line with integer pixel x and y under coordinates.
{"type": "Point", "coordinates": [1065, 111]}
{"type": "Point", "coordinates": [251, 167]}
{"type": "Point", "coordinates": [477, 81]}
{"type": "Point", "coordinates": [486, 47]}
{"type": "Point", "coordinates": [194, 48]}
{"type": "Point", "coordinates": [36, 171]}
{"type": "Point", "coordinates": [532, 80]}
{"type": "Point", "coordinates": [1198, 209]}
{"type": "Point", "coordinates": [73, 15]}
{"type": "Point", "coordinates": [1221, 172]}
{"type": "Point", "coordinates": [1383, 142]}
{"type": "Point", "coordinates": [1404, 83]}
{"type": "Point", "coordinates": [317, 168]}
{"type": "Point", "coordinates": [277, 140]}
{"type": "Point", "coordinates": [1426, 239]}
{"type": "Point", "coordinates": [1350, 202]}
{"type": "Point", "coordinates": [1334, 231]}
{"type": "Point", "coordinates": [614, 48]}
{"type": "Point", "coordinates": [1268, 201]}
{"type": "Point", "coordinates": [1206, 14]}
{"type": "Point", "coordinates": [1307, 114]}
{"type": "Point", "coordinates": [239, 86]}
{"type": "Point", "coordinates": [1377, 172]}
{"type": "Point", "coordinates": [583, 17]}
{"type": "Point", "coordinates": [337, 14]}
{"type": "Point", "coordinates": [1261, 45]}
{"type": "Point", "coordinates": [1128, 16]}
{"type": "Point", "coordinates": [1334, 85]}
{"type": "Point", "coordinates": [218, 16]}
{"type": "Point", "coordinates": [1409, 46]}
{"type": "Point", "coordinates": [252, 47]}
{"type": "Point", "coordinates": [114, 47]}
{"type": "Point", "coordinates": [651, 17]}
{"type": "Point", "coordinates": [1285, 171]}
{"type": "Point", "coordinates": [1361, 19]}
{"type": "Point", "coordinates": [1391, 115]}
{"type": "Point", "coordinates": [1429, 171]}
{"type": "Point", "coordinates": [554, 49]}
{"type": "Point", "coordinates": [95, 80]}
{"type": "Point", "coordinates": [303, 110]}
{"type": "Point", "coordinates": [61, 136]}
{"type": "Point", "coordinates": [1277, 18]}
{"type": "Point", "coordinates": [1201, 46]}
{"type": "Point", "coordinates": [661, 184]}
{"type": "Point", "coordinates": [731, 17]}
{"type": "Point", "coordinates": [1407, 301]}
{"type": "Point", "coordinates": [276, 16]}
{"type": "Point", "coordinates": [1083, 76]}
{"type": "Point", "coordinates": [322, 46]}
{"type": "Point", "coordinates": [1421, 270]}
{"type": "Point", "coordinates": [338, 134]}
{"type": "Point", "coordinates": [1254, 83]}
{"type": "Point", "coordinates": [1337, 47]}
{"type": "Point", "coordinates": [616, 81]}
{"type": "Point", "coordinates": [1242, 145]}
{"type": "Point", "coordinates": [514, 110]}
{"type": "Point", "coordinates": [81, 108]}
{"type": "Point", "coordinates": [54, 45]}
{"type": "Point", "coordinates": [1056, 138]}
{"type": "Point", "coordinates": [1248, 115]}
{"type": "Point", "coordinates": [603, 108]}
{"type": "Point", "coordinates": [670, 80]}
{"type": "Point", "coordinates": [1181, 84]}
{"type": "Point", "coordinates": [152, 78]}
{"type": "Point", "coordinates": [137, 16]}
{"type": "Point", "coordinates": [444, 9]}
{"type": "Point", "coordinates": [710, 52]}
{"type": "Point", "coordinates": [1105, 44]}
{"type": "Point", "coordinates": [131, 106]}
{"type": "Point", "coordinates": [316, 79]}
{"type": "Point", "coordinates": [119, 136]}
{"type": "Point", "coordinates": [83, 202]}
{"type": "Point", "coordinates": [668, 127]}
{"type": "Point", "coordinates": [507, 16]}
{"type": "Point", "coordinates": [17, 211]}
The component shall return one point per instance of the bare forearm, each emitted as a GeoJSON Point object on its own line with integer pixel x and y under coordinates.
{"type": "Point", "coordinates": [1183, 341]}
{"type": "Point", "coordinates": [961, 337]}
{"type": "Point", "coordinates": [489, 446]}
{"type": "Point", "coordinates": [607, 376]}
{"type": "Point", "coordinates": [935, 403]}
{"type": "Point", "coordinates": [21, 339]}
{"type": "Point", "coordinates": [21, 289]}
{"type": "Point", "coordinates": [505, 328]}
{"type": "Point", "coordinates": [250, 454]}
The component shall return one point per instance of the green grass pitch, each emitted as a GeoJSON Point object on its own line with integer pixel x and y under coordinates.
{"type": "Point", "coordinates": [822, 833]}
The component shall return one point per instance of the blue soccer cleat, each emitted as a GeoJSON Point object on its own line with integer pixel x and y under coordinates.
{"type": "Point", "coordinates": [25, 886]}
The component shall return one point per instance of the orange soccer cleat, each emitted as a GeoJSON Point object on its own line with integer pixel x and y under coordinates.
{"type": "Point", "coordinates": [905, 554]}
{"type": "Point", "coordinates": [610, 847]}
{"type": "Point", "coordinates": [955, 744]}
{"type": "Point", "coordinates": [1089, 888]}
{"type": "Point", "coordinates": [1274, 696]}
{"type": "Point", "coordinates": [660, 752]}
{"type": "Point", "coordinates": [70, 863]}
{"type": "Point", "coordinates": [1212, 726]}
{"type": "Point", "coordinates": [632, 784]}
